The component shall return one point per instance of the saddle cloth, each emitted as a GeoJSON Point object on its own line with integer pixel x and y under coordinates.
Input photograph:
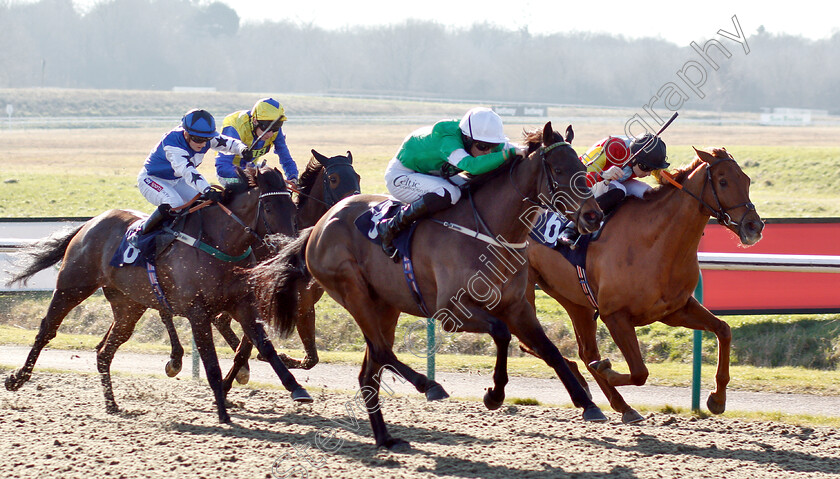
{"type": "Point", "coordinates": [366, 223]}
{"type": "Point", "coordinates": [547, 230]}
{"type": "Point", "coordinates": [142, 251]}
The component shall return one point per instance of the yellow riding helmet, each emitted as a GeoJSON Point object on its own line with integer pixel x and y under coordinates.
{"type": "Point", "coordinates": [268, 109]}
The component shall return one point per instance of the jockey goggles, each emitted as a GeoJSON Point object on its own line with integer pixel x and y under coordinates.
{"type": "Point", "coordinates": [484, 146]}
{"type": "Point", "coordinates": [199, 139]}
{"type": "Point", "coordinates": [269, 125]}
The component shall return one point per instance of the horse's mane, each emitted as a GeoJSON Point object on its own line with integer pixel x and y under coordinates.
{"type": "Point", "coordinates": [307, 180]}
{"type": "Point", "coordinates": [681, 174]}
{"type": "Point", "coordinates": [534, 138]}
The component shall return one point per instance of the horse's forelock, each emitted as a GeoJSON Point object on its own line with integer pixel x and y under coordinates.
{"type": "Point", "coordinates": [250, 176]}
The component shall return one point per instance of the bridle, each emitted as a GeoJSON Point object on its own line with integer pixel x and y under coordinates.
{"type": "Point", "coordinates": [261, 215]}
{"type": "Point", "coordinates": [720, 213]}
{"type": "Point", "coordinates": [553, 184]}
{"type": "Point", "coordinates": [330, 198]}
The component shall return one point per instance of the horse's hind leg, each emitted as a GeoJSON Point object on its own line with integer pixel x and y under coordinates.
{"type": "Point", "coordinates": [126, 313]}
{"type": "Point", "coordinates": [694, 316]}
{"type": "Point", "coordinates": [222, 324]}
{"type": "Point", "coordinates": [203, 335]}
{"type": "Point", "coordinates": [63, 300]}
{"type": "Point", "coordinates": [176, 355]}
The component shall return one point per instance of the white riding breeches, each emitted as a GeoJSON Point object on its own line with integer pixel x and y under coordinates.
{"type": "Point", "coordinates": [630, 186]}
{"type": "Point", "coordinates": [159, 191]}
{"type": "Point", "coordinates": [408, 185]}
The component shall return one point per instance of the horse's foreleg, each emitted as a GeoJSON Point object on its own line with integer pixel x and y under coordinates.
{"type": "Point", "coordinates": [222, 324]}
{"type": "Point", "coordinates": [126, 314]}
{"type": "Point", "coordinates": [624, 336]}
{"type": "Point", "coordinates": [63, 300]}
{"type": "Point", "coordinates": [203, 336]}
{"type": "Point", "coordinates": [586, 335]}
{"type": "Point", "coordinates": [246, 314]}
{"type": "Point", "coordinates": [243, 353]}
{"type": "Point", "coordinates": [305, 324]}
{"type": "Point", "coordinates": [176, 355]}
{"type": "Point", "coordinates": [694, 316]}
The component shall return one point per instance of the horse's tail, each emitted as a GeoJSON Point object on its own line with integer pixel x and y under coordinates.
{"type": "Point", "coordinates": [276, 283]}
{"type": "Point", "coordinates": [41, 255]}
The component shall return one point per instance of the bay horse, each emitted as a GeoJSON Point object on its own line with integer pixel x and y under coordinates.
{"type": "Point", "coordinates": [449, 267]}
{"type": "Point", "coordinates": [195, 284]}
{"type": "Point", "coordinates": [643, 268]}
{"type": "Point", "coordinates": [324, 182]}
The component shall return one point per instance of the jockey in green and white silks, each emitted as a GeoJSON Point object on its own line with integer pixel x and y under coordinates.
{"type": "Point", "coordinates": [416, 175]}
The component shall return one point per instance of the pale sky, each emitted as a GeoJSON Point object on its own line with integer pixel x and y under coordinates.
{"type": "Point", "coordinates": [678, 22]}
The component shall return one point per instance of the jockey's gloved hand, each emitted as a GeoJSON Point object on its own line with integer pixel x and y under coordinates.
{"type": "Point", "coordinates": [293, 182]}
{"type": "Point", "coordinates": [521, 150]}
{"type": "Point", "coordinates": [613, 173]}
{"type": "Point", "coordinates": [212, 194]}
{"type": "Point", "coordinates": [247, 155]}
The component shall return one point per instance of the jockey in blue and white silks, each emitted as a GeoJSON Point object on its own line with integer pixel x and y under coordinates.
{"type": "Point", "coordinates": [170, 177]}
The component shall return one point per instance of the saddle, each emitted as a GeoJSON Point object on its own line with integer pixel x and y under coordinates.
{"type": "Point", "coordinates": [138, 250]}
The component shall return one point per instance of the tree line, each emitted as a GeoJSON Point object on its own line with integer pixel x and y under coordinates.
{"type": "Point", "coordinates": [161, 44]}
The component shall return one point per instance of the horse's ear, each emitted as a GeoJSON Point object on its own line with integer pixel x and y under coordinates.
{"type": "Point", "coordinates": [548, 134]}
{"type": "Point", "coordinates": [570, 134]}
{"type": "Point", "coordinates": [705, 156]}
{"type": "Point", "coordinates": [350, 156]}
{"type": "Point", "coordinates": [323, 160]}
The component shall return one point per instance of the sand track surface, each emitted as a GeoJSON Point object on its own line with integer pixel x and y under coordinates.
{"type": "Point", "coordinates": [56, 426]}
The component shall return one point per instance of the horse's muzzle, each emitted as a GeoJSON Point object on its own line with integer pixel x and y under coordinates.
{"type": "Point", "coordinates": [589, 217]}
{"type": "Point", "coordinates": [749, 231]}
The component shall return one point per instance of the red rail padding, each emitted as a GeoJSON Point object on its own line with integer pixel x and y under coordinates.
{"type": "Point", "coordinates": [767, 292]}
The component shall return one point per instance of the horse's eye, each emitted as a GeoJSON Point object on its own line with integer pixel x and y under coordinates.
{"type": "Point", "coordinates": [722, 182]}
{"type": "Point", "coordinates": [267, 208]}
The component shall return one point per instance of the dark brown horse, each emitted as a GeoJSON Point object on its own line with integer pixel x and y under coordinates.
{"type": "Point", "coordinates": [196, 285]}
{"type": "Point", "coordinates": [322, 184]}
{"type": "Point", "coordinates": [471, 285]}
{"type": "Point", "coordinates": [644, 269]}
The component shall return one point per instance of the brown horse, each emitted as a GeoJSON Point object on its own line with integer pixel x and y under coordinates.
{"type": "Point", "coordinates": [196, 285]}
{"type": "Point", "coordinates": [644, 269]}
{"type": "Point", "coordinates": [486, 290]}
{"type": "Point", "coordinates": [323, 183]}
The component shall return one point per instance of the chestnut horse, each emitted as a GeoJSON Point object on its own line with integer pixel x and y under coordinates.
{"type": "Point", "coordinates": [196, 285]}
{"type": "Point", "coordinates": [449, 267]}
{"type": "Point", "coordinates": [322, 184]}
{"type": "Point", "coordinates": [643, 268]}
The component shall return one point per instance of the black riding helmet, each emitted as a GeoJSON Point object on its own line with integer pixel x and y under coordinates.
{"type": "Point", "coordinates": [653, 155]}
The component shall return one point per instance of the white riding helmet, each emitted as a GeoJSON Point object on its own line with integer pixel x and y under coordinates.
{"type": "Point", "coordinates": [483, 124]}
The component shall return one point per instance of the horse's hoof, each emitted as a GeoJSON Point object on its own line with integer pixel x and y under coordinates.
{"type": "Point", "coordinates": [492, 403]}
{"type": "Point", "coordinates": [601, 365]}
{"type": "Point", "coordinates": [436, 393]}
{"type": "Point", "coordinates": [396, 445]}
{"type": "Point", "coordinates": [243, 376]}
{"type": "Point", "coordinates": [225, 419]}
{"type": "Point", "coordinates": [631, 416]}
{"type": "Point", "coordinates": [172, 368]}
{"type": "Point", "coordinates": [715, 406]}
{"type": "Point", "coordinates": [13, 383]}
{"type": "Point", "coordinates": [112, 408]}
{"type": "Point", "coordinates": [593, 414]}
{"type": "Point", "coordinates": [301, 396]}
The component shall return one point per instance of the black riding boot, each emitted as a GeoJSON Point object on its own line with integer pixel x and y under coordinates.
{"type": "Point", "coordinates": [609, 200]}
{"type": "Point", "coordinates": [162, 213]}
{"type": "Point", "coordinates": [408, 214]}
{"type": "Point", "coordinates": [569, 235]}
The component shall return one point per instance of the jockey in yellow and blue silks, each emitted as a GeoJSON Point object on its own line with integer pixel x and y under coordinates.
{"type": "Point", "coordinates": [260, 128]}
{"type": "Point", "coordinates": [169, 177]}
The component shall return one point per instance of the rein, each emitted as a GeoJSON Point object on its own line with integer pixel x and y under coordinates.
{"type": "Point", "coordinates": [720, 213]}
